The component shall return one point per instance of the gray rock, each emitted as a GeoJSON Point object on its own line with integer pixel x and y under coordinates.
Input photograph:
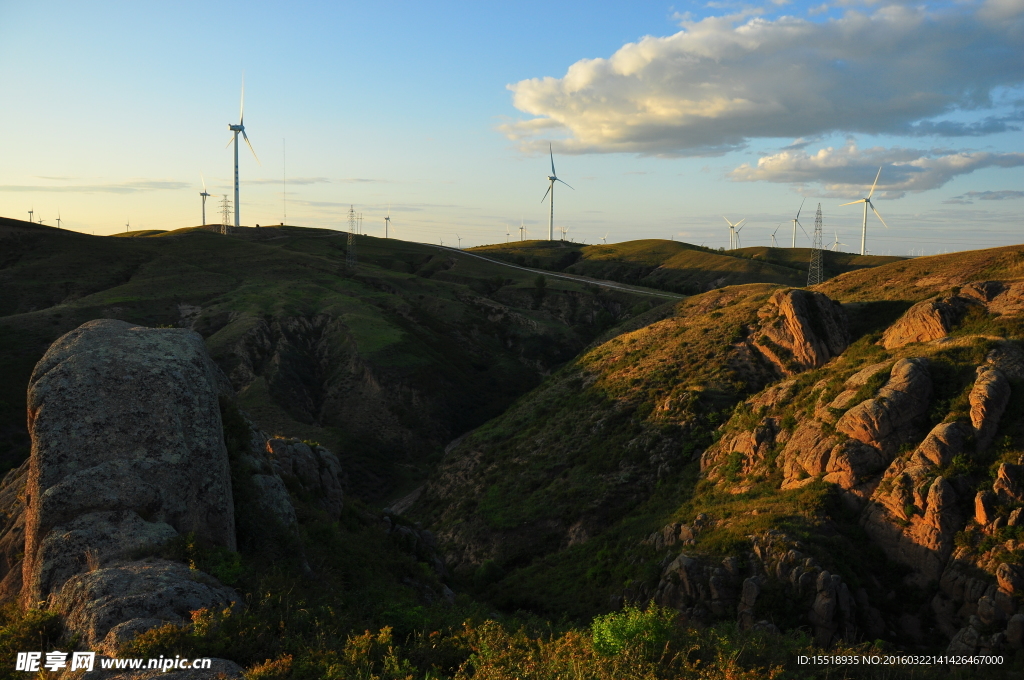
{"type": "Point", "coordinates": [273, 499]}
{"type": "Point", "coordinates": [316, 469]}
{"type": "Point", "coordinates": [124, 418]}
{"type": "Point", "coordinates": [95, 602]}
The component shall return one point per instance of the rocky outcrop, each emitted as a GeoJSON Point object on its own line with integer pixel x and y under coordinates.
{"type": "Point", "coordinates": [889, 418]}
{"type": "Point", "coordinates": [315, 469]}
{"type": "Point", "coordinates": [926, 321]}
{"type": "Point", "coordinates": [988, 399]}
{"type": "Point", "coordinates": [127, 453]}
{"type": "Point", "coordinates": [800, 329]}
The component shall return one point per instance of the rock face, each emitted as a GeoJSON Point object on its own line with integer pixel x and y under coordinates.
{"type": "Point", "coordinates": [800, 330]}
{"type": "Point", "coordinates": [988, 398]}
{"type": "Point", "coordinates": [315, 468]}
{"type": "Point", "coordinates": [127, 450]}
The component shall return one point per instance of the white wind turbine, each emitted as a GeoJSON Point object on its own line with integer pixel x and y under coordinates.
{"type": "Point", "coordinates": [835, 246]}
{"type": "Point", "coordinates": [236, 129]}
{"type": "Point", "coordinates": [507, 232]}
{"type": "Point", "coordinates": [734, 238]}
{"type": "Point", "coordinates": [205, 196]}
{"type": "Point", "coordinates": [796, 221]}
{"type": "Point", "coordinates": [867, 202]}
{"type": "Point", "coordinates": [774, 244]}
{"type": "Point", "coordinates": [553, 177]}
{"type": "Point", "coordinates": [387, 221]}
{"type": "Point", "coordinates": [522, 229]}
{"type": "Point", "coordinates": [58, 218]}
{"type": "Point", "coordinates": [604, 239]}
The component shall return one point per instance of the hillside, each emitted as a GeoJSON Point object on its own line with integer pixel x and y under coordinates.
{"type": "Point", "coordinates": [386, 362]}
{"type": "Point", "coordinates": [769, 455]}
{"type": "Point", "coordinates": [676, 266]}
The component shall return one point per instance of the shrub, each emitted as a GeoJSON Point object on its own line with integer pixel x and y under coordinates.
{"type": "Point", "coordinates": [632, 628]}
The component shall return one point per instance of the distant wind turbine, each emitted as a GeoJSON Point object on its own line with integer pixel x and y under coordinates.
{"type": "Point", "coordinates": [58, 218]}
{"type": "Point", "coordinates": [522, 228]}
{"type": "Point", "coordinates": [774, 244]}
{"type": "Point", "coordinates": [604, 239]}
{"type": "Point", "coordinates": [867, 202]}
{"type": "Point", "coordinates": [553, 177]}
{"type": "Point", "coordinates": [205, 195]}
{"type": "Point", "coordinates": [236, 129]}
{"type": "Point", "coordinates": [835, 246]}
{"type": "Point", "coordinates": [733, 238]}
{"type": "Point", "coordinates": [128, 225]}
{"type": "Point", "coordinates": [30, 214]}
{"type": "Point", "coordinates": [507, 232]}
{"type": "Point", "coordinates": [460, 241]}
{"type": "Point", "coordinates": [387, 221]}
{"type": "Point", "coordinates": [796, 221]}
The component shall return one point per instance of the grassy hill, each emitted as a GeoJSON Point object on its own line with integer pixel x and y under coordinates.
{"type": "Point", "coordinates": [673, 265]}
{"type": "Point", "coordinates": [385, 362]}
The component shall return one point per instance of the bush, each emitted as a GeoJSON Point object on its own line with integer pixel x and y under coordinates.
{"type": "Point", "coordinates": [632, 628]}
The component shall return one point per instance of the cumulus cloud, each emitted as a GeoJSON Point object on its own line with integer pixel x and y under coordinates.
{"type": "Point", "coordinates": [970, 196]}
{"type": "Point", "coordinates": [723, 80]}
{"type": "Point", "coordinates": [112, 188]}
{"type": "Point", "coordinates": [849, 171]}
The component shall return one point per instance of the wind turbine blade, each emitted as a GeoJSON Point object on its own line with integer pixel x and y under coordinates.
{"type": "Point", "coordinates": [728, 222]}
{"type": "Point", "coordinates": [552, 154]}
{"type": "Point", "coordinates": [800, 208]}
{"type": "Point", "coordinates": [229, 141]}
{"type": "Point", "coordinates": [859, 200]}
{"type": "Point", "coordinates": [566, 184]}
{"type": "Point", "coordinates": [547, 192]}
{"type": "Point", "coordinates": [872, 192]}
{"type": "Point", "coordinates": [777, 229]}
{"type": "Point", "coordinates": [739, 230]}
{"type": "Point", "coordinates": [246, 138]}
{"type": "Point", "coordinates": [241, 109]}
{"type": "Point", "coordinates": [804, 230]}
{"type": "Point", "coordinates": [877, 215]}
{"type": "Point", "coordinates": [203, 179]}
{"type": "Point", "coordinates": [740, 222]}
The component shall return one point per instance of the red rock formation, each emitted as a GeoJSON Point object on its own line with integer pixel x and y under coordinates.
{"type": "Point", "coordinates": [800, 329]}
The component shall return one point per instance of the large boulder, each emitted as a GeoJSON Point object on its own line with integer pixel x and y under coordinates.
{"type": "Point", "coordinates": [800, 330]}
{"type": "Point", "coordinates": [127, 441]}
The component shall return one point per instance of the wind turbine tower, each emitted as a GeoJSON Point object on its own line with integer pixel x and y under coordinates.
{"type": "Point", "coordinates": [205, 196]}
{"type": "Point", "coordinates": [815, 273]}
{"type": "Point", "coordinates": [796, 221]}
{"type": "Point", "coordinates": [553, 177]}
{"type": "Point", "coordinates": [734, 238]}
{"type": "Point", "coordinates": [867, 202]}
{"type": "Point", "coordinates": [236, 129]}
{"type": "Point", "coordinates": [30, 214]}
{"type": "Point", "coordinates": [387, 221]}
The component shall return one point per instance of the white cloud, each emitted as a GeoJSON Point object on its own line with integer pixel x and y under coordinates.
{"type": "Point", "coordinates": [723, 80]}
{"type": "Point", "coordinates": [849, 171]}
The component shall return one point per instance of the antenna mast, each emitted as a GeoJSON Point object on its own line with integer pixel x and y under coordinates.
{"type": "Point", "coordinates": [815, 274]}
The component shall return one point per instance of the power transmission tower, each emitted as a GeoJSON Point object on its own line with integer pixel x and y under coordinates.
{"type": "Point", "coordinates": [815, 274]}
{"type": "Point", "coordinates": [225, 214]}
{"type": "Point", "coordinates": [351, 219]}
{"type": "Point", "coordinates": [350, 251]}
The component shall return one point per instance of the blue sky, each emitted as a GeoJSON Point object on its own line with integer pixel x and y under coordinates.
{"type": "Point", "coordinates": [663, 117]}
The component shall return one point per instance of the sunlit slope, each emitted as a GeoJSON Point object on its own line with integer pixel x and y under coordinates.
{"type": "Point", "coordinates": [799, 258]}
{"type": "Point", "coordinates": [386, 361]}
{"type": "Point", "coordinates": [545, 507]}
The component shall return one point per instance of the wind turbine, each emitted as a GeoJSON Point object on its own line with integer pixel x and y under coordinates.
{"type": "Point", "coordinates": [58, 218]}
{"type": "Point", "coordinates": [387, 221]}
{"type": "Point", "coordinates": [604, 239]}
{"type": "Point", "coordinates": [522, 228]}
{"type": "Point", "coordinates": [30, 213]}
{"type": "Point", "coordinates": [553, 177]}
{"type": "Point", "coordinates": [775, 245]}
{"type": "Point", "coordinates": [127, 225]}
{"type": "Point", "coordinates": [867, 202]}
{"type": "Point", "coordinates": [507, 233]}
{"type": "Point", "coordinates": [733, 239]}
{"type": "Point", "coordinates": [796, 221]}
{"type": "Point", "coordinates": [835, 246]}
{"type": "Point", "coordinates": [205, 195]}
{"type": "Point", "coordinates": [236, 129]}
{"type": "Point", "coordinates": [460, 241]}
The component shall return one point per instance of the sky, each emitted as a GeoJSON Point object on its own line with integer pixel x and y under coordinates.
{"type": "Point", "coordinates": [663, 118]}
